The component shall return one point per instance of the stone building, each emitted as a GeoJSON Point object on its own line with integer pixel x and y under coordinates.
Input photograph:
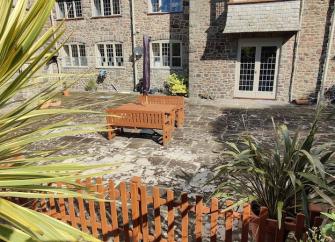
{"type": "Point", "coordinates": [260, 49]}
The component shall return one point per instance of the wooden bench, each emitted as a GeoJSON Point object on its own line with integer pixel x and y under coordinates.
{"type": "Point", "coordinates": [139, 119]}
{"type": "Point", "coordinates": [177, 101]}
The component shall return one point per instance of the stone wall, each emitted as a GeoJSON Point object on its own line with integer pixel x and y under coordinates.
{"type": "Point", "coordinates": [90, 30]}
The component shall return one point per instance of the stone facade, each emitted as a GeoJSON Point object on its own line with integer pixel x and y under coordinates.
{"type": "Point", "coordinates": [92, 30]}
{"type": "Point", "coordinates": [210, 32]}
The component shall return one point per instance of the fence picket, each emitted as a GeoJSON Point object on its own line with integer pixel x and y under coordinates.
{"type": "Point", "coordinates": [184, 217]}
{"type": "Point", "coordinates": [115, 224]}
{"type": "Point", "coordinates": [157, 214]}
{"type": "Point", "coordinates": [135, 211]}
{"type": "Point", "coordinates": [124, 207]}
{"type": "Point", "coordinates": [198, 219]}
{"type": "Point", "coordinates": [102, 212]}
{"type": "Point", "coordinates": [72, 212]}
{"type": "Point", "coordinates": [61, 205]}
{"type": "Point", "coordinates": [245, 222]}
{"type": "Point", "coordinates": [214, 218]}
{"type": "Point", "coordinates": [82, 211]}
{"type": "Point", "coordinates": [144, 213]}
{"type": "Point", "coordinates": [170, 201]}
{"type": "Point", "coordinates": [229, 222]}
{"type": "Point", "coordinates": [91, 206]}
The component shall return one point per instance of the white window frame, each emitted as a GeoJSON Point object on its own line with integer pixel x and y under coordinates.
{"type": "Point", "coordinates": [71, 57]}
{"type": "Point", "coordinates": [170, 42]}
{"type": "Point", "coordinates": [66, 16]}
{"type": "Point", "coordinates": [94, 9]}
{"type": "Point", "coordinates": [98, 56]}
{"type": "Point", "coordinates": [160, 4]}
{"type": "Point", "coordinates": [258, 43]}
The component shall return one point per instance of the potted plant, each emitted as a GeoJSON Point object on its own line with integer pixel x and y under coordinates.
{"type": "Point", "coordinates": [66, 91]}
{"type": "Point", "coordinates": [176, 85]}
{"type": "Point", "coordinates": [284, 177]}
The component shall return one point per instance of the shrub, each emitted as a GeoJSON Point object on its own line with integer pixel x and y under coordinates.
{"type": "Point", "coordinates": [91, 86]}
{"type": "Point", "coordinates": [177, 85]}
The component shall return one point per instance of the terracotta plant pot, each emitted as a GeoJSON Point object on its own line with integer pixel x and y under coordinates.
{"type": "Point", "coordinates": [46, 104]}
{"type": "Point", "coordinates": [55, 103]}
{"type": "Point", "coordinates": [301, 101]}
{"type": "Point", "coordinates": [66, 93]}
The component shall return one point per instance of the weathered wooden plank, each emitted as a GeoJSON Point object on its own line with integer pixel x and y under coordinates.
{"type": "Point", "coordinates": [124, 207]}
{"type": "Point", "coordinates": [214, 218]}
{"type": "Point", "coordinates": [91, 205]}
{"type": "Point", "coordinates": [135, 212]}
{"type": "Point", "coordinates": [229, 222]}
{"type": "Point", "coordinates": [144, 213]}
{"type": "Point", "coordinates": [184, 217]}
{"type": "Point", "coordinates": [169, 202]}
{"type": "Point", "coordinates": [115, 224]}
{"type": "Point", "coordinates": [157, 214]}
{"type": "Point", "coordinates": [245, 222]}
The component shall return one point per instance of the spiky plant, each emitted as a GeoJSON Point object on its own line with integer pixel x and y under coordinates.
{"type": "Point", "coordinates": [285, 178]}
{"type": "Point", "coordinates": [25, 173]}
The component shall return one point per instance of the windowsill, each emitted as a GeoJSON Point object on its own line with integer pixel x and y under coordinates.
{"type": "Point", "coordinates": [166, 68]}
{"type": "Point", "coordinates": [163, 13]}
{"type": "Point", "coordinates": [69, 19]}
{"type": "Point", "coordinates": [232, 2]}
{"type": "Point", "coordinates": [75, 67]}
{"type": "Point", "coordinates": [111, 67]}
{"type": "Point", "coordinates": [108, 16]}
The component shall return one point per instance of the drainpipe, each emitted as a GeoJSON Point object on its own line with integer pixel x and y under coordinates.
{"type": "Point", "coordinates": [296, 52]}
{"type": "Point", "coordinates": [133, 42]}
{"type": "Point", "coordinates": [326, 64]}
{"type": "Point", "coordinates": [59, 71]}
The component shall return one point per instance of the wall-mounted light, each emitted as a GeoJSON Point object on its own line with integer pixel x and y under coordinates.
{"type": "Point", "coordinates": [138, 51]}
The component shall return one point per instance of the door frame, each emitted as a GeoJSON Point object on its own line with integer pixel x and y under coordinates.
{"type": "Point", "coordinates": [258, 43]}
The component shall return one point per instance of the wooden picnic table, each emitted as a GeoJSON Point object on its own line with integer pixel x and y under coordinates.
{"type": "Point", "coordinates": [147, 116]}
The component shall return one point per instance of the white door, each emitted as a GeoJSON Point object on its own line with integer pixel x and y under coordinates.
{"type": "Point", "coordinates": [257, 68]}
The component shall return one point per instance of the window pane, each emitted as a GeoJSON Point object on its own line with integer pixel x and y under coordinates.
{"type": "Point", "coordinates": [97, 6]}
{"type": "Point", "coordinates": [61, 9]}
{"type": "Point", "coordinates": [156, 54]}
{"type": "Point", "coordinates": [75, 55]}
{"type": "Point", "coordinates": [70, 10]}
{"type": "Point", "coordinates": [101, 57]}
{"type": "Point", "coordinates": [116, 7]}
{"type": "Point", "coordinates": [176, 61]}
{"type": "Point", "coordinates": [176, 49]}
{"type": "Point", "coordinates": [118, 55]}
{"type": "Point", "coordinates": [166, 54]}
{"type": "Point", "coordinates": [67, 59]}
{"type": "Point", "coordinates": [110, 55]}
{"type": "Point", "coordinates": [165, 7]}
{"type": "Point", "coordinates": [83, 58]}
{"type": "Point", "coordinates": [107, 8]}
{"type": "Point", "coordinates": [78, 8]}
{"type": "Point", "coordinates": [154, 6]}
{"type": "Point", "coordinates": [176, 6]}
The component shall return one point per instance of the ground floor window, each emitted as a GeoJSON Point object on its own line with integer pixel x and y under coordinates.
{"type": "Point", "coordinates": [109, 55]}
{"type": "Point", "coordinates": [75, 55]}
{"type": "Point", "coordinates": [166, 54]}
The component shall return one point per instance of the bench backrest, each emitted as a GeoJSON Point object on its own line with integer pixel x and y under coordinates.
{"type": "Point", "coordinates": [168, 100]}
{"type": "Point", "coordinates": [136, 119]}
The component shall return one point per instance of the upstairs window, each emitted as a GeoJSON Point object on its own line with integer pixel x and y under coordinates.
{"type": "Point", "coordinates": [109, 55]}
{"type": "Point", "coordinates": [69, 9]}
{"type": "Point", "coordinates": [106, 7]}
{"type": "Point", "coordinates": [165, 6]}
{"type": "Point", "coordinates": [75, 55]}
{"type": "Point", "coordinates": [166, 54]}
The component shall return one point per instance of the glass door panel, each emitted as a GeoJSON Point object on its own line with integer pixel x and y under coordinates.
{"type": "Point", "coordinates": [247, 68]}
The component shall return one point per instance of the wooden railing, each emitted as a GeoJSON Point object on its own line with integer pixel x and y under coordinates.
{"type": "Point", "coordinates": [133, 213]}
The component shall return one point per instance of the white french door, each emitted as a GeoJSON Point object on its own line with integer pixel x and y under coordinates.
{"type": "Point", "coordinates": [257, 69]}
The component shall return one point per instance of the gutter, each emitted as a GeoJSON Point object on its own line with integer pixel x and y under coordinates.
{"type": "Point", "coordinates": [326, 64]}
{"type": "Point", "coordinates": [133, 42]}
{"type": "Point", "coordinates": [296, 52]}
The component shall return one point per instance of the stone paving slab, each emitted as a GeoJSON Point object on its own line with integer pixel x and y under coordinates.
{"type": "Point", "coordinates": [185, 164]}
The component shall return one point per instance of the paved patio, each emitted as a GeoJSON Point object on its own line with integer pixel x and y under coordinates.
{"type": "Point", "coordinates": [185, 164]}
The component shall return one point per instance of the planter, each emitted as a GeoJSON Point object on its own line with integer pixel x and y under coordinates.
{"type": "Point", "coordinates": [301, 101]}
{"type": "Point", "coordinates": [264, 229]}
{"type": "Point", "coordinates": [66, 93]}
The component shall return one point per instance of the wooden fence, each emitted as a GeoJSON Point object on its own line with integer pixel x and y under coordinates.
{"type": "Point", "coordinates": [135, 213]}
